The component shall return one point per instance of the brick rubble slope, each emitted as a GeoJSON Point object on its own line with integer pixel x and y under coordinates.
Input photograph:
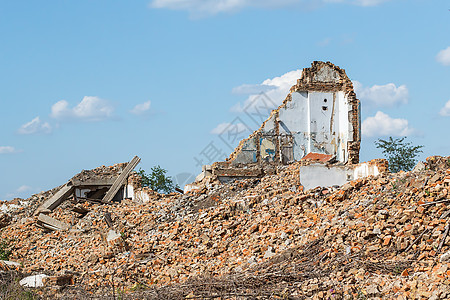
{"type": "Point", "coordinates": [372, 238]}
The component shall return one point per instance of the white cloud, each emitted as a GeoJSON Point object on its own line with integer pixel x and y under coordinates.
{"type": "Point", "coordinates": [230, 127]}
{"type": "Point", "coordinates": [359, 2]}
{"type": "Point", "coordinates": [445, 111]}
{"type": "Point", "coordinates": [325, 42]}
{"type": "Point", "coordinates": [369, 2]}
{"type": "Point", "coordinates": [383, 125]}
{"type": "Point", "coordinates": [7, 150]}
{"type": "Point", "coordinates": [387, 95]}
{"type": "Point", "coordinates": [89, 109]}
{"type": "Point", "coordinates": [141, 108]}
{"type": "Point", "coordinates": [248, 89]}
{"type": "Point", "coordinates": [24, 188]}
{"type": "Point", "coordinates": [444, 56]}
{"type": "Point", "coordinates": [274, 91]}
{"type": "Point", "coordinates": [35, 126]}
{"type": "Point", "coordinates": [22, 191]}
{"type": "Point", "coordinates": [212, 7]}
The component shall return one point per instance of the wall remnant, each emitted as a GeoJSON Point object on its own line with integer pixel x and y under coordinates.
{"type": "Point", "coordinates": [319, 117]}
{"type": "Point", "coordinates": [321, 114]}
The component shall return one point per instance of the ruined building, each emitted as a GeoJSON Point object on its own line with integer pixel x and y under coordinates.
{"type": "Point", "coordinates": [320, 115]}
{"type": "Point", "coordinates": [318, 121]}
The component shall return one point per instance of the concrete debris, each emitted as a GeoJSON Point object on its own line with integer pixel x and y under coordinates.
{"type": "Point", "coordinates": [33, 281]}
{"type": "Point", "coordinates": [263, 224]}
{"type": "Point", "coordinates": [6, 265]}
{"type": "Point", "coordinates": [5, 220]}
{"type": "Point", "coordinates": [99, 185]}
{"type": "Point", "coordinates": [419, 167]}
{"type": "Point", "coordinates": [371, 237]}
{"type": "Point", "coordinates": [445, 257]}
{"type": "Point", "coordinates": [61, 280]}
{"type": "Point", "coordinates": [51, 223]}
{"type": "Point", "coordinates": [93, 185]}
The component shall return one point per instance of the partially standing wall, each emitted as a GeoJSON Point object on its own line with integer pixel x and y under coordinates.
{"type": "Point", "coordinates": [321, 114]}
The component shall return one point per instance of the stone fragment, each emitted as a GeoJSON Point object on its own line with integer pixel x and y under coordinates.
{"type": "Point", "coordinates": [445, 257]}
{"type": "Point", "coordinates": [60, 280]}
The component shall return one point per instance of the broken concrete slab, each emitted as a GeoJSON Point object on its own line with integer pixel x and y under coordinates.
{"type": "Point", "coordinates": [7, 265]}
{"type": "Point", "coordinates": [115, 241]}
{"type": "Point", "coordinates": [93, 182]}
{"type": "Point", "coordinates": [51, 223]}
{"type": "Point", "coordinates": [322, 175]}
{"type": "Point", "coordinates": [121, 179]}
{"type": "Point", "coordinates": [56, 199]}
{"type": "Point", "coordinates": [33, 281]}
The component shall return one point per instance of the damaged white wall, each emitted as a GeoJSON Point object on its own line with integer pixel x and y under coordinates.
{"type": "Point", "coordinates": [320, 115]}
{"type": "Point", "coordinates": [321, 175]}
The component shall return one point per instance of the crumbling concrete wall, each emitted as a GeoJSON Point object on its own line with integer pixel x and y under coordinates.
{"type": "Point", "coordinates": [321, 114]}
{"type": "Point", "coordinates": [322, 175]}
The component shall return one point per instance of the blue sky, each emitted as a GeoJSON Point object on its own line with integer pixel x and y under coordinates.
{"type": "Point", "coordinates": [90, 83]}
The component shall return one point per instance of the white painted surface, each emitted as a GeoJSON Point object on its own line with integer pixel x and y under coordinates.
{"type": "Point", "coordinates": [112, 235]}
{"type": "Point", "coordinates": [318, 122]}
{"type": "Point", "coordinates": [82, 193]}
{"type": "Point", "coordinates": [33, 281]}
{"type": "Point", "coordinates": [364, 169]}
{"type": "Point", "coordinates": [319, 175]}
{"type": "Point", "coordinates": [141, 196]}
{"type": "Point", "coordinates": [129, 192]}
{"type": "Point", "coordinates": [190, 187]}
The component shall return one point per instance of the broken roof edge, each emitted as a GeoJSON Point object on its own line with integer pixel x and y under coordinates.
{"type": "Point", "coordinates": [310, 81]}
{"type": "Point", "coordinates": [67, 189]}
{"type": "Point", "coordinates": [306, 82]}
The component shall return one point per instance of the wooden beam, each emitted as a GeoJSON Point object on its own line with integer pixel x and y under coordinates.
{"type": "Point", "coordinates": [56, 199]}
{"type": "Point", "coordinates": [121, 179]}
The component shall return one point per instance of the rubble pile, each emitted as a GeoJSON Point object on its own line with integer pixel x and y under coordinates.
{"type": "Point", "coordinates": [103, 172]}
{"type": "Point", "coordinates": [384, 236]}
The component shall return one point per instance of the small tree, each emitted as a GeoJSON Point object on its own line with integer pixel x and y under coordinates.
{"type": "Point", "coordinates": [157, 180]}
{"type": "Point", "coordinates": [400, 155]}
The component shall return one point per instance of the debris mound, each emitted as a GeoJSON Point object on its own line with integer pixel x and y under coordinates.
{"type": "Point", "coordinates": [384, 236]}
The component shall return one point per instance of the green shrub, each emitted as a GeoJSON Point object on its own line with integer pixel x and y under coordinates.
{"type": "Point", "coordinates": [400, 155]}
{"type": "Point", "coordinates": [157, 180]}
{"type": "Point", "coordinates": [5, 250]}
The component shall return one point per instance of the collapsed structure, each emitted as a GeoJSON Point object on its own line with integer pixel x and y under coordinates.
{"type": "Point", "coordinates": [102, 185]}
{"type": "Point", "coordinates": [319, 121]}
{"type": "Point", "coordinates": [384, 236]}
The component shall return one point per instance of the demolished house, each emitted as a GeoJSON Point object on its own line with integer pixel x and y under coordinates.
{"type": "Point", "coordinates": [317, 127]}
{"type": "Point", "coordinates": [101, 185]}
{"type": "Point", "coordinates": [379, 236]}
{"type": "Point", "coordinates": [318, 124]}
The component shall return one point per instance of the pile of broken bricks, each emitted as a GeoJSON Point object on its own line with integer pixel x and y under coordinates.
{"type": "Point", "coordinates": [378, 237]}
